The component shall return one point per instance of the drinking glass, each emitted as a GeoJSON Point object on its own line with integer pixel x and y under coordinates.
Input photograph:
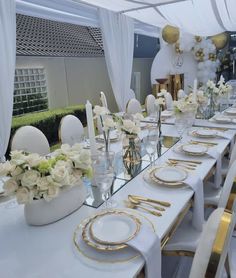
{"type": "Point", "coordinates": [150, 144]}
{"type": "Point", "coordinates": [180, 124]}
{"type": "Point", "coordinates": [103, 172]}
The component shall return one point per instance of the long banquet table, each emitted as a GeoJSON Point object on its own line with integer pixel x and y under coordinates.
{"type": "Point", "coordinates": [48, 251]}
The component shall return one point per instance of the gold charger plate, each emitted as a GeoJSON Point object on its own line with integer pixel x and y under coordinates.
{"type": "Point", "coordinates": [104, 256]}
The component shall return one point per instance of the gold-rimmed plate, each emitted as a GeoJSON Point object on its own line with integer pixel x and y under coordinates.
{"type": "Point", "coordinates": [170, 174]}
{"type": "Point", "coordinates": [157, 181]}
{"type": "Point", "coordinates": [194, 149]}
{"type": "Point", "coordinates": [204, 133]}
{"type": "Point", "coordinates": [114, 228]}
{"type": "Point", "coordinates": [108, 256]}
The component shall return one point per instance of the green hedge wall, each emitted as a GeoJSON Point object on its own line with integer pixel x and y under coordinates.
{"type": "Point", "coordinates": [48, 121]}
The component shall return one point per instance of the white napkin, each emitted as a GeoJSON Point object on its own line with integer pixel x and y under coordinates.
{"type": "Point", "coordinates": [198, 204]}
{"type": "Point", "coordinates": [218, 173]}
{"type": "Point", "coordinates": [148, 244]}
{"type": "Point", "coordinates": [227, 136]}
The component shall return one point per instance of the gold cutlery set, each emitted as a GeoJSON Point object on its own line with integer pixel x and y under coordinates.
{"type": "Point", "coordinates": [152, 206]}
{"type": "Point", "coordinates": [186, 164]}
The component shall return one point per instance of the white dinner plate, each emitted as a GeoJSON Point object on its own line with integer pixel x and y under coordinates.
{"type": "Point", "coordinates": [222, 119]}
{"type": "Point", "coordinates": [170, 174]}
{"type": "Point", "coordinates": [231, 111]}
{"type": "Point", "coordinates": [206, 132]}
{"type": "Point", "coordinates": [113, 228]}
{"type": "Point", "coordinates": [194, 149]}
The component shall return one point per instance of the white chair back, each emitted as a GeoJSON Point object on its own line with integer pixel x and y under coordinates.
{"type": "Point", "coordinates": [169, 101]}
{"type": "Point", "coordinates": [232, 155]}
{"type": "Point", "coordinates": [133, 106]}
{"type": "Point", "coordinates": [226, 189]}
{"type": "Point", "coordinates": [150, 104]}
{"type": "Point", "coordinates": [213, 245]}
{"type": "Point", "coordinates": [30, 139]}
{"type": "Point", "coordinates": [103, 100]}
{"type": "Point", "coordinates": [181, 94]}
{"type": "Point", "coordinates": [71, 130]}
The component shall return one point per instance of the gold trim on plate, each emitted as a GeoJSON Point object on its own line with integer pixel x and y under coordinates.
{"type": "Point", "coordinates": [135, 220]}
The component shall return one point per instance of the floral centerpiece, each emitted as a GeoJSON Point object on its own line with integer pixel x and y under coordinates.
{"type": "Point", "coordinates": [106, 120]}
{"type": "Point", "coordinates": [183, 105]}
{"type": "Point", "coordinates": [34, 179]}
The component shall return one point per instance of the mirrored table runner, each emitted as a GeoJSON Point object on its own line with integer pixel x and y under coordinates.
{"type": "Point", "coordinates": [125, 171]}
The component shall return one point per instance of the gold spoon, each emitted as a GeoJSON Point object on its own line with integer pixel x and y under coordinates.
{"type": "Point", "coordinates": [133, 206]}
{"type": "Point", "coordinates": [136, 202]}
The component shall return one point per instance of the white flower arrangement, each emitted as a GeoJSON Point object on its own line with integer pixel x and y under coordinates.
{"type": "Point", "coordinates": [106, 117]}
{"type": "Point", "coordinates": [186, 104]}
{"type": "Point", "coordinates": [33, 177]}
{"type": "Point", "coordinates": [130, 127]}
{"type": "Point", "coordinates": [224, 89]}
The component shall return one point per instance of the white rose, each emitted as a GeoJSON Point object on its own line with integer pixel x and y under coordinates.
{"type": "Point", "coordinates": [76, 147]}
{"type": "Point", "coordinates": [60, 174]}
{"type": "Point", "coordinates": [18, 158]}
{"type": "Point", "coordinates": [108, 123]}
{"type": "Point", "coordinates": [23, 195]}
{"type": "Point", "coordinates": [16, 171]}
{"type": "Point", "coordinates": [33, 159]}
{"type": "Point", "coordinates": [100, 110]}
{"type": "Point", "coordinates": [10, 186]}
{"type": "Point", "coordinates": [6, 168]}
{"type": "Point", "coordinates": [42, 183]}
{"type": "Point", "coordinates": [82, 160]}
{"type": "Point", "coordinates": [160, 101]}
{"type": "Point", "coordinates": [65, 148]}
{"type": "Point", "coordinates": [29, 178]}
{"type": "Point", "coordinates": [51, 193]}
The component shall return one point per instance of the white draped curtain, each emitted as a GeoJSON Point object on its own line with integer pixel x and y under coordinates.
{"type": "Point", "coordinates": [118, 41]}
{"type": "Point", "coordinates": [7, 70]}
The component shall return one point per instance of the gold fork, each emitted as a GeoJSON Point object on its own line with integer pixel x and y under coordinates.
{"type": "Point", "coordinates": [134, 206]}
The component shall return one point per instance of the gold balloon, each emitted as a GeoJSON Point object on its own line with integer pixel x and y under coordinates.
{"type": "Point", "coordinates": [220, 40]}
{"type": "Point", "coordinates": [198, 38]}
{"type": "Point", "coordinates": [170, 34]}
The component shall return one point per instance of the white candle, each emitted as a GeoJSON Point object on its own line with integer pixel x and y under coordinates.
{"type": "Point", "coordinates": [91, 133]}
{"type": "Point", "coordinates": [195, 90]}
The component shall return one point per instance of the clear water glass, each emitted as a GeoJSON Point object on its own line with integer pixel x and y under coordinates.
{"type": "Point", "coordinates": [150, 144]}
{"type": "Point", "coordinates": [180, 125]}
{"type": "Point", "coordinates": [103, 174]}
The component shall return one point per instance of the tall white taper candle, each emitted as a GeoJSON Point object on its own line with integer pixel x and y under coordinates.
{"type": "Point", "coordinates": [195, 90]}
{"type": "Point", "coordinates": [91, 133]}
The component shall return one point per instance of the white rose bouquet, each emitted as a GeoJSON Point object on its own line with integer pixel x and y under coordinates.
{"type": "Point", "coordinates": [186, 104]}
{"type": "Point", "coordinates": [32, 177]}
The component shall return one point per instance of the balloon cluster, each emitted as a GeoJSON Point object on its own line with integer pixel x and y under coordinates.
{"type": "Point", "coordinates": [203, 49]}
{"type": "Point", "coordinates": [205, 53]}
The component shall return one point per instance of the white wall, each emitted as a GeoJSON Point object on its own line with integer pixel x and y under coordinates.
{"type": "Point", "coordinates": [72, 81]}
{"type": "Point", "coordinates": [164, 64]}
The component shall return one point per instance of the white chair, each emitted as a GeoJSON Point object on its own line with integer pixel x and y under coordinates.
{"type": "Point", "coordinates": [71, 130]}
{"type": "Point", "coordinates": [169, 101]}
{"type": "Point", "coordinates": [103, 100]}
{"type": "Point", "coordinates": [133, 106]}
{"type": "Point", "coordinates": [30, 139]}
{"type": "Point", "coordinates": [181, 94]}
{"type": "Point", "coordinates": [150, 104]}
{"type": "Point", "coordinates": [186, 238]}
{"type": "Point", "coordinates": [211, 252]}
{"type": "Point", "coordinates": [226, 163]}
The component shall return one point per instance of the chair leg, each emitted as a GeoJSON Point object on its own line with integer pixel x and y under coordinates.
{"type": "Point", "coordinates": [227, 266]}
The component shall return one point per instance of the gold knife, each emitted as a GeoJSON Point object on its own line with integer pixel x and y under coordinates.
{"type": "Point", "coordinates": [203, 143]}
{"type": "Point", "coordinates": [189, 161]}
{"type": "Point", "coordinates": [162, 203]}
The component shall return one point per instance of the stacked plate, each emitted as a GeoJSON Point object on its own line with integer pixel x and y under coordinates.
{"type": "Point", "coordinates": [204, 133]}
{"type": "Point", "coordinates": [103, 237]}
{"type": "Point", "coordinates": [169, 176]}
{"type": "Point", "coordinates": [192, 149]}
{"type": "Point", "coordinates": [222, 119]}
{"type": "Point", "coordinates": [231, 111]}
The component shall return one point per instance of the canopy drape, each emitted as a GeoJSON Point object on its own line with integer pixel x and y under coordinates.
{"type": "Point", "coordinates": [118, 41]}
{"type": "Point", "coordinates": [7, 70]}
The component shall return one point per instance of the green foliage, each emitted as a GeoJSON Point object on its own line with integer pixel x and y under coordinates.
{"type": "Point", "coordinates": [48, 121]}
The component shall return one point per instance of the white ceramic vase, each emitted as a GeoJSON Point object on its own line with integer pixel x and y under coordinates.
{"type": "Point", "coordinates": [41, 212]}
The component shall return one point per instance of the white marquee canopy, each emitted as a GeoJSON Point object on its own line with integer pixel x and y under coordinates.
{"type": "Point", "coordinates": [120, 19]}
{"type": "Point", "coordinates": [198, 17]}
